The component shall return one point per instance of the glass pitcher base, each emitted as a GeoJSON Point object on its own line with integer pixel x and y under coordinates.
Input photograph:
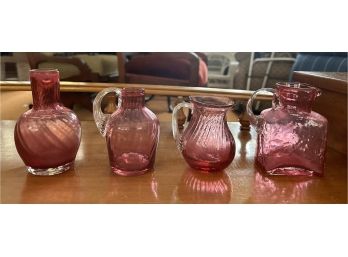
{"type": "Point", "coordinates": [50, 171]}
{"type": "Point", "coordinates": [206, 169]}
{"type": "Point", "coordinates": [292, 171]}
{"type": "Point", "coordinates": [127, 173]}
{"type": "Point", "coordinates": [205, 166]}
{"type": "Point", "coordinates": [131, 164]}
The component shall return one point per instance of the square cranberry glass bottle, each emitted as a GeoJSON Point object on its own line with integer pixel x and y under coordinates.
{"type": "Point", "coordinates": [291, 137]}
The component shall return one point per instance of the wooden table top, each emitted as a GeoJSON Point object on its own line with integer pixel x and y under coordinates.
{"type": "Point", "coordinates": [339, 76]}
{"type": "Point", "coordinates": [332, 81]}
{"type": "Point", "coordinates": [91, 180]}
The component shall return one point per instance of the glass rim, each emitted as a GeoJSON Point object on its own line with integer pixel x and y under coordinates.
{"type": "Point", "coordinates": [296, 85]}
{"type": "Point", "coordinates": [219, 104]}
{"type": "Point", "coordinates": [44, 70]}
{"type": "Point", "coordinates": [132, 91]}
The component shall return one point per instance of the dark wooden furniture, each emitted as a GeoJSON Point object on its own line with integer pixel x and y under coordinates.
{"type": "Point", "coordinates": [332, 103]}
{"type": "Point", "coordinates": [172, 181]}
{"type": "Point", "coordinates": [177, 69]}
{"type": "Point", "coordinates": [160, 69]}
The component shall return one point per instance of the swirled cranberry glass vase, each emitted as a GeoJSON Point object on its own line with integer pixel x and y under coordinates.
{"type": "Point", "coordinates": [47, 137]}
{"type": "Point", "coordinates": [206, 143]}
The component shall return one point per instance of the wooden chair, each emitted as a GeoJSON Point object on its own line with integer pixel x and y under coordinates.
{"type": "Point", "coordinates": [176, 69]}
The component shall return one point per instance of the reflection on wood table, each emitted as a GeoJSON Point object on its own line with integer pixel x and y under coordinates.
{"type": "Point", "coordinates": [172, 181]}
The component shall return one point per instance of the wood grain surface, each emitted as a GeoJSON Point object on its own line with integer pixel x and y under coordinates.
{"type": "Point", "coordinates": [172, 181]}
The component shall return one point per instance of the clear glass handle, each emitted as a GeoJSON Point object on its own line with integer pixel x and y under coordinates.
{"type": "Point", "coordinates": [255, 120]}
{"type": "Point", "coordinates": [101, 118]}
{"type": "Point", "coordinates": [175, 129]}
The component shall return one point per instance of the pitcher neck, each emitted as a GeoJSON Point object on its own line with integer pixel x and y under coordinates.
{"type": "Point", "coordinates": [211, 106]}
{"type": "Point", "coordinates": [210, 112]}
{"type": "Point", "coordinates": [44, 88]}
{"type": "Point", "coordinates": [297, 97]}
{"type": "Point", "coordinates": [132, 98]}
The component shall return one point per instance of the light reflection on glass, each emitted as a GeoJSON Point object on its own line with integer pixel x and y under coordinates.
{"type": "Point", "coordinates": [81, 152]}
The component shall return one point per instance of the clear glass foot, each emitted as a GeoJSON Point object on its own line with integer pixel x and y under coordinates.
{"type": "Point", "coordinates": [50, 171]}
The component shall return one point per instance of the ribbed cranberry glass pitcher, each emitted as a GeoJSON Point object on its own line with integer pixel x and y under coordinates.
{"type": "Point", "coordinates": [48, 136]}
{"type": "Point", "coordinates": [131, 132]}
{"type": "Point", "coordinates": [291, 137]}
{"type": "Point", "coordinates": [206, 143]}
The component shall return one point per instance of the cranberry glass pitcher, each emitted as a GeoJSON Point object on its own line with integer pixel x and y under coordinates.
{"type": "Point", "coordinates": [291, 137]}
{"type": "Point", "coordinates": [206, 142]}
{"type": "Point", "coordinates": [48, 136]}
{"type": "Point", "coordinates": [131, 132]}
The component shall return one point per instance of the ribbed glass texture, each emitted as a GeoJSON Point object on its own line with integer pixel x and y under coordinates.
{"type": "Point", "coordinates": [207, 143]}
{"type": "Point", "coordinates": [132, 134]}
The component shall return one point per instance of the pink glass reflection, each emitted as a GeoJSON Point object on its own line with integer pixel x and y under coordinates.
{"type": "Point", "coordinates": [272, 189]}
{"type": "Point", "coordinates": [48, 136]}
{"type": "Point", "coordinates": [291, 137]}
{"type": "Point", "coordinates": [131, 132]}
{"type": "Point", "coordinates": [197, 187]}
{"type": "Point", "coordinates": [206, 143]}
